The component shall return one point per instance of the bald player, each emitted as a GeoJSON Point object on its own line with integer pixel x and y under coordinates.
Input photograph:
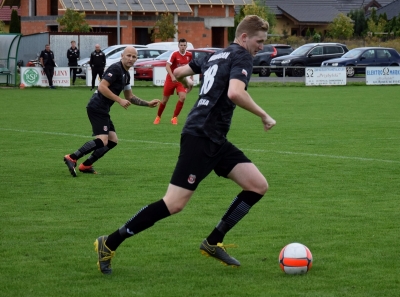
{"type": "Point", "coordinates": [115, 80]}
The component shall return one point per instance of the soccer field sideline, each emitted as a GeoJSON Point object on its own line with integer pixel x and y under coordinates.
{"type": "Point", "coordinates": [244, 149]}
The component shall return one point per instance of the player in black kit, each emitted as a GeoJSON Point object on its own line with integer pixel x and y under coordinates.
{"type": "Point", "coordinates": [97, 63]}
{"type": "Point", "coordinates": [115, 80]}
{"type": "Point", "coordinates": [204, 146]}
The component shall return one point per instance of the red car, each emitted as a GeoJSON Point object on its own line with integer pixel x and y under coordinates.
{"type": "Point", "coordinates": [144, 70]}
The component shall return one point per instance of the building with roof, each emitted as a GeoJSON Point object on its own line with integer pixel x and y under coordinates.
{"type": "Point", "coordinates": [202, 22]}
{"type": "Point", "coordinates": [5, 15]}
{"type": "Point", "coordinates": [294, 17]}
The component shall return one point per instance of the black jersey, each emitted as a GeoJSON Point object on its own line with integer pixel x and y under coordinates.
{"type": "Point", "coordinates": [212, 113]}
{"type": "Point", "coordinates": [118, 78]}
{"type": "Point", "coordinates": [73, 56]}
{"type": "Point", "coordinates": [97, 59]}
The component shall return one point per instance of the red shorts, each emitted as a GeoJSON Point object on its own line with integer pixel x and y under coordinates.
{"type": "Point", "coordinates": [170, 86]}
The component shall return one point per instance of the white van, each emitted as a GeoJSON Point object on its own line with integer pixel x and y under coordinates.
{"type": "Point", "coordinates": [169, 45]}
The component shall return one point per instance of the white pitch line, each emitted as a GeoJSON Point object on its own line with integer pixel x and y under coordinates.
{"type": "Point", "coordinates": [244, 149]}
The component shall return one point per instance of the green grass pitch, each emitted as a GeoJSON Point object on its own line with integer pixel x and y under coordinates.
{"type": "Point", "coordinates": [332, 163]}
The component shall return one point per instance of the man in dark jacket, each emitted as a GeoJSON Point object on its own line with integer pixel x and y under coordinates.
{"type": "Point", "coordinates": [73, 57]}
{"type": "Point", "coordinates": [97, 63]}
{"type": "Point", "coordinates": [48, 64]}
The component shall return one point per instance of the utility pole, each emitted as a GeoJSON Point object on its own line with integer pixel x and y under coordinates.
{"type": "Point", "coordinates": [118, 24]}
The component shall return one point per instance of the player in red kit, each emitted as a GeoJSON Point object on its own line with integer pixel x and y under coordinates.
{"type": "Point", "coordinates": [177, 59]}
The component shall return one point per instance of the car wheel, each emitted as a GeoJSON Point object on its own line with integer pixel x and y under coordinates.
{"type": "Point", "coordinates": [264, 72]}
{"type": "Point", "coordinates": [298, 72]}
{"type": "Point", "coordinates": [350, 71]}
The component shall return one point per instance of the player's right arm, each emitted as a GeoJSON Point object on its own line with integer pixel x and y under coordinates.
{"type": "Point", "coordinates": [168, 67]}
{"type": "Point", "coordinates": [181, 73]}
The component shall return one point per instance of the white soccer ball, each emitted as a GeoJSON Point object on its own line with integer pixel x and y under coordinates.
{"type": "Point", "coordinates": [295, 258]}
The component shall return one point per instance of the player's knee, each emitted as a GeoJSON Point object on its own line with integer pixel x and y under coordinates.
{"type": "Point", "coordinates": [261, 186]}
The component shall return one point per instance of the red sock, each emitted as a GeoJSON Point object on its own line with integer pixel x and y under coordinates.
{"type": "Point", "coordinates": [161, 108]}
{"type": "Point", "coordinates": [178, 108]}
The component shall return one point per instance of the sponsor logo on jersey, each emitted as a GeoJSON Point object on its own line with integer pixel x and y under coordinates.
{"type": "Point", "coordinates": [203, 102]}
{"type": "Point", "coordinates": [109, 74]}
{"type": "Point", "coordinates": [192, 179]}
{"type": "Point", "coordinates": [244, 72]}
{"type": "Point", "coordinates": [105, 128]}
{"type": "Point", "coordinates": [219, 56]}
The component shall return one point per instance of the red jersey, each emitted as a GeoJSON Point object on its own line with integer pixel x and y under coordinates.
{"type": "Point", "coordinates": [177, 59]}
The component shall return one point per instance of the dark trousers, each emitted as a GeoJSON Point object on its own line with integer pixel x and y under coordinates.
{"type": "Point", "coordinates": [49, 70]}
{"type": "Point", "coordinates": [73, 70]}
{"type": "Point", "coordinates": [96, 71]}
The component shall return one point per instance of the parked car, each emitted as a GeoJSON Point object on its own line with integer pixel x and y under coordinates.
{"type": "Point", "coordinates": [108, 51]}
{"type": "Point", "coordinates": [144, 54]}
{"type": "Point", "coordinates": [169, 45]}
{"type": "Point", "coordinates": [144, 70]}
{"type": "Point", "coordinates": [365, 56]}
{"type": "Point", "coordinates": [263, 58]}
{"type": "Point", "coordinates": [310, 54]}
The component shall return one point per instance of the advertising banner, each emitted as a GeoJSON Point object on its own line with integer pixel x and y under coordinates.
{"type": "Point", "coordinates": [382, 75]}
{"type": "Point", "coordinates": [97, 81]}
{"type": "Point", "coordinates": [35, 76]}
{"type": "Point", "coordinates": [160, 73]}
{"type": "Point", "coordinates": [325, 76]}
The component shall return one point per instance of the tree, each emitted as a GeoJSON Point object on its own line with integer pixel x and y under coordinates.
{"type": "Point", "coordinates": [73, 21]}
{"type": "Point", "coordinates": [378, 27]}
{"type": "Point", "coordinates": [164, 28]}
{"type": "Point", "coordinates": [341, 27]}
{"type": "Point", "coordinates": [15, 23]}
{"type": "Point", "coordinates": [2, 27]}
{"type": "Point", "coordinates": [256, 8]}
{"type": "Point", "coordinates": [360, 23]}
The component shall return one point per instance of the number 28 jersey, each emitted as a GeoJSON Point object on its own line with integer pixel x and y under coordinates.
{"type": "Point", "coordinates": [212, 113]}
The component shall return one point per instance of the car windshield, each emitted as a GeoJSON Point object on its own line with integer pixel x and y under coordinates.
{"type": "Point", "coordinates": [352, 53]}
{"type": "Point", "coordinates": [302, 50]}
{"type": "Point", "coordinates": [115, 56]}
{"type": "Point", "coordinates": [164, 56]}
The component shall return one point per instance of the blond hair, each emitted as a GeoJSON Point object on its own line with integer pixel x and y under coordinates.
{"type": "Point", "coordinates": [250, 25]}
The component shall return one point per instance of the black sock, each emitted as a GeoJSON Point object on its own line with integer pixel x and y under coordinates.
{"type": "Point", "coordinates": [97, 154]}
{"type": "Point", "coordinates": [87, 148]}
{"type": "Point", "coordinates": [239, 207]}
{"type": "Point", "coordinates": [145, 218]}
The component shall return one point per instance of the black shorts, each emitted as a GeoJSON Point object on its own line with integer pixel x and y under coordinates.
{"type": "Point", "coordinates": [101, 122]}
{"type": "Point", "coordinates": [199, 156]}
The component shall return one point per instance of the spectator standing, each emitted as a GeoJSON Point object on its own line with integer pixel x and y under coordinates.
{"type": "Point", "coordinates": [73, 56]}
{"type": "Point", "coordinates": [48, 64]}
{"type": "Point", "coordinates": [97, 63]}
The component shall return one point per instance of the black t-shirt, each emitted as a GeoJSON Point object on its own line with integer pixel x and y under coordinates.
{"type": "Point", "coordinates": [212, 113]}
{"type": "Point", "coordinates": [73, 56]}
{"type": "Point", "coordinates": [48, 58]}
{"type": "Point", "coordinates": [118, 78]}
{"type": "Point", "coordinates": [97, 59]}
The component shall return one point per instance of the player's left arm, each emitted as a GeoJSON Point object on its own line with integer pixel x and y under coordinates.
{"type": "Point", "coordinates": [238, 94]}
{"type": "Point", "coordinates": [136, 100]}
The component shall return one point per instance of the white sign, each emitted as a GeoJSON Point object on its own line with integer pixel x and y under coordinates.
{"type": "Point", "coordinates": [35, 76]}
{"type": "Point", "coordinates": [325, 76]}
{"type": "Point", "coordinates": [382, 75]}
{"type": "Point", "coordinates": [160, 73]}
{"type": "Point", "coordinates": [97, 81]}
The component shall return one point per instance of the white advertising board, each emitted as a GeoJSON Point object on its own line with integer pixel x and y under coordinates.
{"type": "Point", "coordinates": [382, 75]}
{"type": "Point", "coordinates": [160, 73]}
{"type": "Point", "coordinates": [325, 76]}
{"type": "Point", "coordinates": [97, 81]}
{"type": "Point", "coordinates": [35, 76]}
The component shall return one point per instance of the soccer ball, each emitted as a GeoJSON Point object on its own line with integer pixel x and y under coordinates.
{"type": "Point", "coordinates": [295, 258]}
{"type": "Point", "coordinates": [22, 86]}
